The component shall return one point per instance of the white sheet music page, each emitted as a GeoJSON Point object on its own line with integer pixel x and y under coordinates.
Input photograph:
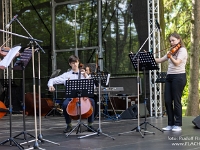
{"type": "Point", "coordinates": [9, 57]}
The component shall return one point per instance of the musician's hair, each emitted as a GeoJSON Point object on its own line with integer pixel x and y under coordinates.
{"type": "Point", "coordinates": [73, 58]}
{"type": "Point", "coordinates": [176, 35]}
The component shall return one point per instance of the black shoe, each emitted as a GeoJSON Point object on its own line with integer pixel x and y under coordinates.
{"type": "Point", "coordinates": [68, 129]}
{"type": "Point", "coordinates": [91, 129]}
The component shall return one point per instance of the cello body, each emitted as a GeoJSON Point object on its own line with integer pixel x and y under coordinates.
{"type": "Point", "coordinates": [4, 109]}
{"type": "Point", "coordinates": [46, 104]}
{"type": "Point", "coordinates": [73, 108]}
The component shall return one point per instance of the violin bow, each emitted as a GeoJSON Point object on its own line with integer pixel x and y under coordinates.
{"type": "Point", "coordinates": [5, 42]}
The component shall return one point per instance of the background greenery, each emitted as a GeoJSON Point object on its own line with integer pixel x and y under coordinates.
{"type": "Point", "coordinates": [124, 26]}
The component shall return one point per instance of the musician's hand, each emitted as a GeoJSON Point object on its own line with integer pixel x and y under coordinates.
{"type": "Point", "coordinates": [84, 73]}
{"type": "Point", "coordinates": [18, 54]}
{"type": "Point", "coordinates": [51, 89]}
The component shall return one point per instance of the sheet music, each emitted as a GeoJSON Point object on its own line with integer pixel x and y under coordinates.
{"type": "Point", "coordinates": [108, 78]}
{"type": "Point", "coordinates": [9, 57]}
{"type": "Point", "coordinates": [23, 60]}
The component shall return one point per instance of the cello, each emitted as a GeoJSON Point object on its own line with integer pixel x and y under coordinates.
{"type": "Point", "coordinates": [74, 110]}
{"type": "Point", "coordinates": [82, 110]}
{"type": "Point", "coordinates": [3, 109]}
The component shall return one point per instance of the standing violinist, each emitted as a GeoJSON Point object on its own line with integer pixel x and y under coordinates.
{"type": "Point", "coordinates": [175, 81]}
{"type": "Point", "coordinates": [71, 75]}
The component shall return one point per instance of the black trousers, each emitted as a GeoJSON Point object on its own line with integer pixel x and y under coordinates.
{"type": "Point", "coordinates": [174, 87]}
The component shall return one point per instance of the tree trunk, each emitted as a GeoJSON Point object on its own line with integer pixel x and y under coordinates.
{"type": "Point", "coordinates": [193, 101]}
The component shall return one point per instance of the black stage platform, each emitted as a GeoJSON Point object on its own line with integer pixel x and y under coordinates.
{"type": "Point", "coordinates": [52, 130]}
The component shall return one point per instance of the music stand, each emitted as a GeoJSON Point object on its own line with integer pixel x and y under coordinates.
{"type": "Point", "coordinates": [161, 78]}
{"type": "Point", "coordinates": [21, 64]}
{"type": "Point", "coordinates": [104, 79]}
{"type": "Point", "coordinates": [3, 65]}
{"type": "Point", "coordinates": [99, 131]}
{"type": "Point", "coordinates": [79, 88]}
{"type": "Point", "coordinates": [144, 61]}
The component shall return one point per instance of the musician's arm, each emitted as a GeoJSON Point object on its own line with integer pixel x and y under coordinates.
{"type": "Point", "coordinates": [57, 80]}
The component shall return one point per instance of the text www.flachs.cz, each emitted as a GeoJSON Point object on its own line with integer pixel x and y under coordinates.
{"type": "Point", "coordinates": [186, 144]}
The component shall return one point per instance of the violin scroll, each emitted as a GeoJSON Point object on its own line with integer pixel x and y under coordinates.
{"type": "Point", "coordinates": [174, 50]}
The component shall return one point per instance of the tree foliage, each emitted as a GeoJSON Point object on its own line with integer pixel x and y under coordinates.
{"type": "Point", "coordinates": [119, 33]}
{"type": "Point", "coordinates": [193, 101]}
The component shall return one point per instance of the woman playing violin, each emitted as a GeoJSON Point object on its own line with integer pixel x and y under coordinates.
{"type": "Point", "coordinates": [175, 81]}
{"type": "Point", "coordinates": [71, 75]}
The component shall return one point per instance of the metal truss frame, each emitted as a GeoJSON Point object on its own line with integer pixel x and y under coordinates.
{"type": "Point", "coordinates": [154, 46]}
{"type": "Point", "coordinates": [99, 47]}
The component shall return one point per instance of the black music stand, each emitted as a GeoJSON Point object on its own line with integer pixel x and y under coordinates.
{"type": "Point", "coordinates": [104, 78]}
{"type": "Point", "coordinates": [161, 78]}
{"type": "Point", "coordinates": [3, 65]}
{"type": "Point", "coordinates": [143, 61]}
{"type": "Point", "coordinates": [79, 88]}
{"type": "Point", "coordinates": [147, 62]}
{"type": "Point", "coordinates": [21, 64]}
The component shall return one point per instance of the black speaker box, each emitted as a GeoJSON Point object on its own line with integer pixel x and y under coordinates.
{"type": "Point", "coordinates": [132, 112]}
{"type": "Point", "coordinates": [196, 121]}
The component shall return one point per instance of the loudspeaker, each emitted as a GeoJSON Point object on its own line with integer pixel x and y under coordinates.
{"type": "Point", "coordinates": [196, 122]}
{"type": "Point", "coordinates": [130, 113]}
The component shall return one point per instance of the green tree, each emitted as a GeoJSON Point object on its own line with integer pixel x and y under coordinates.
{"type": "Point", "coordinates": [193, 101]}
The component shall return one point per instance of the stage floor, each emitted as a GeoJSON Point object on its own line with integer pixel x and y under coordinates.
{"type": "Point", "coordinates": [52, 131]}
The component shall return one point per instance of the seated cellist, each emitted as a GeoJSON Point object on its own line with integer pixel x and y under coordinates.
{"type": "Point", "coordinates": [71, 75]}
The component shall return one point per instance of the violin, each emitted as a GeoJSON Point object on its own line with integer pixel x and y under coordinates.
{"type": "Point", "coordinates": [4, 51]}
{"type": "Point", "coordinates": [174, 50]}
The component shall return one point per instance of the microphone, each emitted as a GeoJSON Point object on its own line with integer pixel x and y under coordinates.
{"type": "Point", "coordinates": [13, 19]}
{"type": "Point", "coordinates": [158, 26]}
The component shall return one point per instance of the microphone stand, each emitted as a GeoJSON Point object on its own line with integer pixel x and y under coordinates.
{"type": "Point", "coordinates": [29, 38]}
{"type": "Point", "coordinates": [39, 137]}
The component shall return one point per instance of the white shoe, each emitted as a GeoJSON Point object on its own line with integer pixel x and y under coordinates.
{"type": "Point", "coordinates": [176, 128]}
{"type": "Point", "coordinates": [168, 128]}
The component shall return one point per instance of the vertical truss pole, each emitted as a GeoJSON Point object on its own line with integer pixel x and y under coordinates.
{"type": "Point", "coordinates": [154, 46]}
{"type": "Point", "coordinates": [100, 56]}
{"type": "Point", "coordinates": [7, 16]}
{"type": "Point", "coordinates": [53, 56]}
